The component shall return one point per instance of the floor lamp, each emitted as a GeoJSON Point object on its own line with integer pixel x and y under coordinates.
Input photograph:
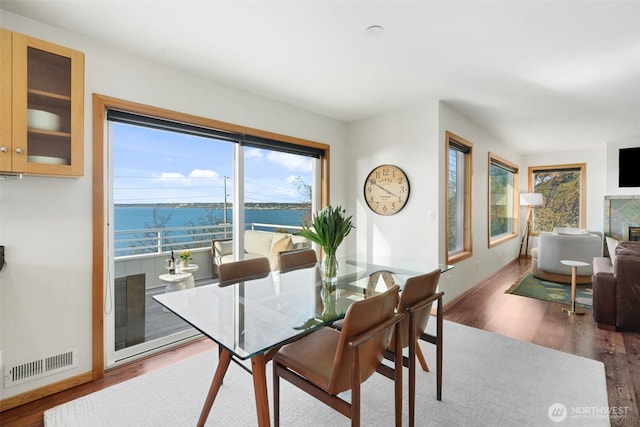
{"type": "Point", "coordinates": [529, 200]}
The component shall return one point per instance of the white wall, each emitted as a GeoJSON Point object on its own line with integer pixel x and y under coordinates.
{"type": "Point", "coordinates": [408, 139]}
{"type": "Point", "coordinates": [414, 140]}
{"type": "Point", "coordinates": [46, 223]}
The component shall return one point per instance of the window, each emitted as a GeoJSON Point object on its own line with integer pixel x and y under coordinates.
{"type": "Point", "coordinates": [563, 199]}
{"type": "Point", "coordinates": [503, 207]}
{"type": "Point", "coordinates": [169, 182]}
{"type": "Point", "coordinates": [458, 219]}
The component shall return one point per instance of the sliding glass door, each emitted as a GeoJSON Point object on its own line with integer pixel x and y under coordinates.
{"type": "Point", "coordinates": [172, 189]}
{"type": "Point", "coordinates": [167, 197]}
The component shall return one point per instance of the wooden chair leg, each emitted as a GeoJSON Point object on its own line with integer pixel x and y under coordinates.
{"type": "Point", "coordinates": [412, 374]}
{"type": "Point", "coordinates": [355, 388]}
{"type": "Point", "coordinates": [276, 398]}
{"type": "Point", "coordinates": [439, 327]}
{"type": "Point", "coordinates": [423, 361]}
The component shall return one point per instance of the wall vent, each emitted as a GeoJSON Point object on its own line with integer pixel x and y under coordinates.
{"type": "Point", "coordinates": [38, 368]}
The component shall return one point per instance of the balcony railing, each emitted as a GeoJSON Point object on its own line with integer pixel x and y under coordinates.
{"type": "Point", "coordinates": [162, 240]}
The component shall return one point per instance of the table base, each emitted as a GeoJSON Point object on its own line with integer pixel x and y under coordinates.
{"type": "Point", "coordinates": [572, 309]}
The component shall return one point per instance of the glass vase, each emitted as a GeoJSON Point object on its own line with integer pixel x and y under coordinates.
{"type": "Point", "coordinates": [329, 295]}
{"type": "Point", "coordinates": [329, 269]}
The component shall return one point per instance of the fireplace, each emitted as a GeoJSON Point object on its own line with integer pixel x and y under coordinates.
{"type": "Point", "coordinates": [622, 217]}
{"type": "Point", "coordinates": [632, 233]}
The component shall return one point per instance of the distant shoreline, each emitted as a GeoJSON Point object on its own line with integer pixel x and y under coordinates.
{"type": "Point", "coordinates": [253, 206]}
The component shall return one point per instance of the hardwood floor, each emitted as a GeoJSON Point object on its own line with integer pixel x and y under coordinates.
{"type": "Point", "coordinates": [487, 307]}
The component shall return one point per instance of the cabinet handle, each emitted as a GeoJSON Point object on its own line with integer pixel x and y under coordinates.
{"type": "Point", "coordinates": [3, 149]}
{"type": "Point", "coordinates": [19, 150]}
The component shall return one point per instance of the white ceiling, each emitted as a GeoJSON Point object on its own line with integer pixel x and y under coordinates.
{"type": "Point", "coordinates": [539, 75]}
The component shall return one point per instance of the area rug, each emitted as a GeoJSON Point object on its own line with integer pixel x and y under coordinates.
{"type": "Point", "coordinates": [530, 286]}
{"type": "Point", "coordinates": [489, 380]}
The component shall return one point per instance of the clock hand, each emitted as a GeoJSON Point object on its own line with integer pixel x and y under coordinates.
{"type": "Point", "coordinates": [385, 190]}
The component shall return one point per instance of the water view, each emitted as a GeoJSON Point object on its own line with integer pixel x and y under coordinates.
{"type": "Point", "coordinates": [157, 228]}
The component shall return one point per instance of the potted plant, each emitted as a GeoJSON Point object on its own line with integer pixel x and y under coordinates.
{"type": "Point", "coordinates": [328, 228]}
{"type": "Point", "coordinates": [185, 257]}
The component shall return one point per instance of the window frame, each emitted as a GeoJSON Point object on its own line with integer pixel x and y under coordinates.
{"type": "Point", "coordinates": [497, 161]}
{"type": "Point", "coordinates": [101, 104]}
{"type": "Point", "coordinates": [464, 226]}
{"type": "Point", "coordinates": [582, 167]}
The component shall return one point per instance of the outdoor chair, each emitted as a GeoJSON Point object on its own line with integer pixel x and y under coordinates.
{"type": "Point", "coordinates": [327, 361]}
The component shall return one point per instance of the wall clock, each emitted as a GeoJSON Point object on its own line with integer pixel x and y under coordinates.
{"type": "Point", "coordinates": [386, 189]}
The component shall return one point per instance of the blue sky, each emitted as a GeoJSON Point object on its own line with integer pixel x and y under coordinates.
{"type": "Point", "coordinates": [152, 166]}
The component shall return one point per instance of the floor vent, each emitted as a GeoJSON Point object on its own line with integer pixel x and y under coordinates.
{"type": "Point", "coordinates": [48, 365]}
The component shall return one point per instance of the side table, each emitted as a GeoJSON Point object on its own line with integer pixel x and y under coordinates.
{"type": "Point", "coordinates": [191, 268]}
{"type": "Point", "coordinates": [571, 309]}
{"type": "Point", "coordinates": [175, 282]}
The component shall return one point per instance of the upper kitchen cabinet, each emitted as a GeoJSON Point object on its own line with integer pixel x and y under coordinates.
{"type": "Point", "coordinates": [42, 107]}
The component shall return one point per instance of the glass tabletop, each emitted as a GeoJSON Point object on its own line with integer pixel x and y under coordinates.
{"type": "Point", "coordinates": [251, 317]}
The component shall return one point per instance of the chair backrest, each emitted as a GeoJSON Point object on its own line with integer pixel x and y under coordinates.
{"type": "Point", "coordinates": [417, 289]}
{"type": "Point", "coordinates": [295, 260]}
{"type": "Point", "coordinates": [362, 316]}
{"type": "Point", "coordinates": [246, 269]}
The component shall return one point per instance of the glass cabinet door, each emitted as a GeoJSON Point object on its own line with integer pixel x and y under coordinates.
{"type": "Point", "coordinates": [48, 97]}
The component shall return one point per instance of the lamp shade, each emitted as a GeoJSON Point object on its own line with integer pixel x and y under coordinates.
{"type": "Point", "coordinates": [530, 199]}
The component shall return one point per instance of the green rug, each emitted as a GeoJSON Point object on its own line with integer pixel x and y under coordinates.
{"type": "Point", "coordinates": [530, 286]}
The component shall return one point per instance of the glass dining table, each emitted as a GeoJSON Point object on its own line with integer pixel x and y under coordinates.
{"type": "Point", "coordinates": [251, 320]}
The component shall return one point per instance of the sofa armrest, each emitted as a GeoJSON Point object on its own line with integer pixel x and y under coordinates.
{"type": "Point", "coordinates": [602, 266]}
{"type": "Point", "coordinates": [220, 248]}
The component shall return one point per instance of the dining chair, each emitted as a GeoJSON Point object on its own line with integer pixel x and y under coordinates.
{"type": "Point", "coordinates": [246, 269]}
{"type": "Point", "coordinates": [234, 272]}
{"type": "Point", "coordinates": [416, 300]}
{"type": "Point", "coordinates": [327, 362]}
{"type": "Point", "coordinates": [295, 260]}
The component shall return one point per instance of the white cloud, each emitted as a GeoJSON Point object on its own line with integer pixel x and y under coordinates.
{"type": "Point", "coordinates": [253, 154]}
{"type": "Point", "coordinates": [204, 173]}
{"type": "Point", "coordinates": [170, 176]}
{"type": "Point", "coordinates": [290, 161]}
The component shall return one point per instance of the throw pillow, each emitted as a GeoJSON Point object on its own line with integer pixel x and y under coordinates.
{"type": "Point", "coordinates": [284, 244]}
{"type": "Point", "coordinates": [224, 247]}
{"type": "Point", "coordinates": [571, 231]}
{"type": "Point", "coordinates": [629, 248]}
{"type": "Point", "coordinates": [611, 248]}
{"type": "Point", "coordinates": [258, 242]}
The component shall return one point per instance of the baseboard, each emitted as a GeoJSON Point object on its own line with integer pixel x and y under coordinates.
{"type": "Point", "coordinates": [48, 390]}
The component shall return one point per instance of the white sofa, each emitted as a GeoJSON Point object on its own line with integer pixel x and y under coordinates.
{"type": "Point", "coordinates": [258, 244]}
{"type": "Point", "coordinates": [569, 244]}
